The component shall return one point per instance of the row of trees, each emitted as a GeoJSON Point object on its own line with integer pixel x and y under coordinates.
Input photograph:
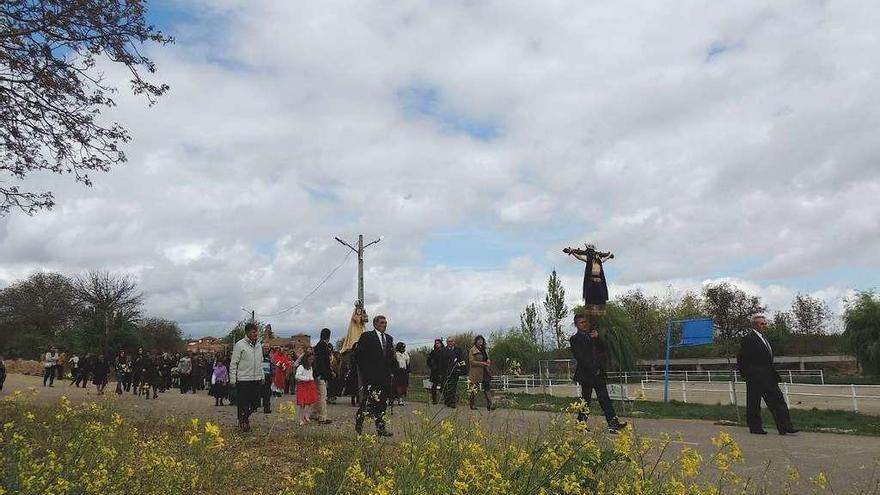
{"type": "Point", "coordinates": [98, 311]}
{"type": "Point", "coordinates": [645, 316]}
{"type": "Point", "coordinates": [635, 326]}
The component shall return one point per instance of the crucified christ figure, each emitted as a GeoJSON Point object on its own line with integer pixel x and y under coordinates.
{"type": "Point", "coordinates": [595, 287]}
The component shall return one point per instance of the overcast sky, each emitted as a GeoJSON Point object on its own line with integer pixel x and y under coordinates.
{"type": "Point", "coordinates": [698, 141]}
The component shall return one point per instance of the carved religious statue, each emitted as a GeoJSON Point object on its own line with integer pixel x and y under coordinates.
{"type": "Point", "coordinates": [595, 287]}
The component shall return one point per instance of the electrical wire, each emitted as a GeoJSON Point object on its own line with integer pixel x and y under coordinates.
{"type": "Point", "coordinates": [313, 291]}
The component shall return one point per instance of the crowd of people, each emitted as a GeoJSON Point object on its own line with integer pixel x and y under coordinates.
{"type": "Point", "coordinates": [375, 374]}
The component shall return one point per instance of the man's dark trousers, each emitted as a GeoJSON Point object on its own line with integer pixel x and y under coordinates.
{"type": "Point", "coordinates": [185, 382]}
{"type": "Point", "coordinates": [596, 381]}
{"type": "Point", "coordinates": [450, 389]}
{"type": "Point", "coordinates": [248, 394]}
{"type": "Point", "coordinates": [761, 388]}
{"type": "Point", "coordinates": [374, 403]}
{"type": "Point", "coordinates": [266, 394]}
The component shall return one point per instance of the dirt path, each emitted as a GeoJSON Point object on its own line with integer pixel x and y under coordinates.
{"type": "Point", "coordinates": [848, 460]}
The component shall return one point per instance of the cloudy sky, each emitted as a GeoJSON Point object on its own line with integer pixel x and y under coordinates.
{"type": "Point", "coordinates": [699, 141]}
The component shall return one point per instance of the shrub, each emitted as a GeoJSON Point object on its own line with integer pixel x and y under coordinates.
{"type": "Point", "coordinates": [90, 449]}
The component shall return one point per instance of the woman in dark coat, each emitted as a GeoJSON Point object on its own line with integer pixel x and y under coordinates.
{"type": "Point", "coordinates": [149, 376]}
{"type": "Point", "coordinates": [435, 365]}
{"type": "Point", "coordinates": [100, 373]}
{"type": "Point", "coordinates": [352, 383]}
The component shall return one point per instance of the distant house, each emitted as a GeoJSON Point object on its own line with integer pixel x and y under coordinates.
{"type": "Point", "coordinates": [299, 340]}
{"type": "Point", "coordinates": [205, 345]}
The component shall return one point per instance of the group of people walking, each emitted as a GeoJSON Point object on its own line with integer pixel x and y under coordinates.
{"type": "Point", "coordinates": [255, 377]}
{"type": "Point", "coordinates": [447, 364]}
{"type": "Point", "coordinates": [375, 375]}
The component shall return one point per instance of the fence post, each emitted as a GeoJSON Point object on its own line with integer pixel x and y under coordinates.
{"type": "Point", "coordinates": [709, 372]}
{"type": "Point", "coordinates": [685, 375]}
{"type": "Point", "coordinates": [822, 376]}
{"type": "Point", "coordinates": [730, 391]}
{"type": "Point", "coordinates": [527, 384]}
{"type": "Point", "coordinates": [785, 387]}
{"type": "Point", "coordinates": [790, 378]}
{"type": "Point", "coordinates": [505, 382]}
{"type": "Point", "coordinates": [684, 392]}
{"type": "Point", "coordinates": [550, 384]}
{"type": "Point", "coordinates": [625, 379]}
{"type": "Point", "coordinates": [855, 401]}
{"type": "Point", "coordinates": [734, 376]}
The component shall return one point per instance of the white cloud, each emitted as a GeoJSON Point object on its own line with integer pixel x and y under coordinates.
{"type": "Point", "coordinates": [283, 129]}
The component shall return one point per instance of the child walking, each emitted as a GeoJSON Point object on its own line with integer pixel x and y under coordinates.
{"type": "Point", "coordinates": [306, 388]}
{"type": "Point", "coordinates": [219, 382]}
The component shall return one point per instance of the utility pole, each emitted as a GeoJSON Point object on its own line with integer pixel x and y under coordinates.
{"type": "Point", "coordinates": [359, 251]}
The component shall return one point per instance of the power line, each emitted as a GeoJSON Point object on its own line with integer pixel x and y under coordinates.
{"type": "Point", "coordinates": [313, 291]}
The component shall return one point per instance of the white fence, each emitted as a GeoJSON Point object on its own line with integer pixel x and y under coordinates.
{"type": "Point", "coordinates": [791, 376]}
{"type": "Point", "coordinates": [547, 382]}
{"type": "Point", "coordinates": [834, 395]}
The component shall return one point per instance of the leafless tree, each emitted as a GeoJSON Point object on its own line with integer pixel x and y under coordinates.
{"type": "Point", "coordinates": [52, 91]}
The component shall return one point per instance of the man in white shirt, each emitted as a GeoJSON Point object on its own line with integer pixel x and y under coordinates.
{"type": "Point", "coordinates": [755, 363]}
{"type": "Point", "coordinates": [50, 361]}
{"type": "Point", "coordinates": [246, 373]}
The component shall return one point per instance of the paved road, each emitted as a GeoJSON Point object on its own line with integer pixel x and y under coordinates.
{"type": "Point", "coordinates": [848, 460]}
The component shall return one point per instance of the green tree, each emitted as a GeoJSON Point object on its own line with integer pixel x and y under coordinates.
{"type": "Point", "coordinates": [556, 310]}
{"type": "Point", "coordinates": [810, 315]}
{"type": "Point", "coordinates": [779, 331]}
{"type": "Point", "coordinates": [53, 88]}
{"type": "Point", "coordinates": [732, 310]}
{"type": "Point", "coordinates": [162, 335]}
{"type": "Point", "coordinates": [618, 330]}
{"type": "Point", "coordinates": [36, 312]}
{"type": "Point", "coordinates": [648, 321]}
{"type": "Point", "coordinates": [513, 344]}
{"type": "Point", "coordinates": [862, 330]}
{"type": "Point", "coordinates": [531, 323]}
{"type": "Point", "coordinates": [111, 309]}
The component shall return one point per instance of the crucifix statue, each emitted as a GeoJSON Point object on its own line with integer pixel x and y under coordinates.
{"type": "Point", "coordinates": [595, 287]}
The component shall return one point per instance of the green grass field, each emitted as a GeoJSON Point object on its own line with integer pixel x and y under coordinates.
{"type": "Point", "coordinates": [819, 420]}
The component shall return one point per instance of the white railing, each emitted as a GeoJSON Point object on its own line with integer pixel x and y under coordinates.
{"type": "Point", "coordinates": [849, 391]}
{"type": "Point", "coordinates": [791, 376]}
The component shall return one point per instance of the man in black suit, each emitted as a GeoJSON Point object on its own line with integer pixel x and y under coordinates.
{"type": "Point", "coordinates": [323, 373]}
{"type": "Point", "coordinates": [454, 366]}
{"type": "Point", "coordinates": [755, 363]}
{"type": "Point", "coordinates": [373, 357]}
{"type": "Point", "coordinates": [589, 352]}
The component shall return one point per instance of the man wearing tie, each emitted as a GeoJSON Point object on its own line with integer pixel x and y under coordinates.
{"type": "Point", "coordinates": [755, 363]}
{"type": "Point", "coordinates": [373, 357]}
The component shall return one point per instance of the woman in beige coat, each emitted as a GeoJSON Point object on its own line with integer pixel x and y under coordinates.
{"type": "Point", "coordinates": [479, 376]}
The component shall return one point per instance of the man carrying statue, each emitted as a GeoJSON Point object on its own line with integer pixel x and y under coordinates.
{"type": "Point", "coordinates": [587, 346]}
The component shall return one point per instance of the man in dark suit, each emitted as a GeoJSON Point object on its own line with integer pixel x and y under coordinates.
{"type": "Point", "coordinates": [755, 363]}
{"type": "Point", "coordinates": [373, 357]}
{"type": "Point", "coordinates": [323, 373]}
{"type": "Point", "coordinates": [454, 365]}
{"type": "Point", "coordinates": [589, 352]}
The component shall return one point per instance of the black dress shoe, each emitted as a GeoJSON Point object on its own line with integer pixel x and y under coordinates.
{"type": "Point", "coordinates": [758, 432]}
{"type": "Point", "coordinates": [790, 431]}
{"type": "Point", "coordinates": [383, 433]}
